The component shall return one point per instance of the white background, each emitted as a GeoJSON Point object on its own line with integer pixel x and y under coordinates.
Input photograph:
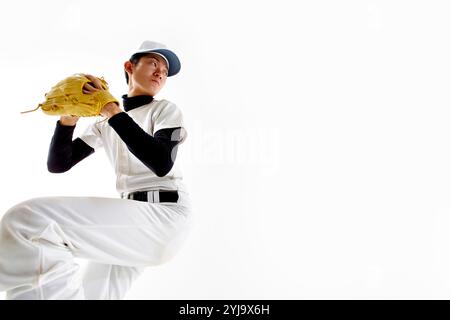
{"type": "Point", "coordinates": [318, 154]}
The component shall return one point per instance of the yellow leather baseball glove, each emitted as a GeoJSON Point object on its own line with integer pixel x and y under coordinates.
{"type": "Point", "coordinates": [67, 98]}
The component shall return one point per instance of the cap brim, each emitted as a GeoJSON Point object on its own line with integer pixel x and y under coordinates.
{"type": "Point", "coordinates": [174, 62]}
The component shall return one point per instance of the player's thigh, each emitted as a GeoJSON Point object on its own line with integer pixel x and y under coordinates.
{"type": "Point", "coordinates": [109, 230]}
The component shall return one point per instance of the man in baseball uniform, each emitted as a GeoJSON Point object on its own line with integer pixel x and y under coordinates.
{"type": "Point", "coordinates": [39, 238]}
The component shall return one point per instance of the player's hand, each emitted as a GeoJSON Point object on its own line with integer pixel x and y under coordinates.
{"type": "Point", "coordinates": [110, 110]}
{"type": "Point", "coordinates": [94, 85]}
{"type": "Point", "coordinates": [68, 120]}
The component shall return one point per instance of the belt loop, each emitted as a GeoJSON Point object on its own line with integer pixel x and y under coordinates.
{"type": "Point", "coordinates": [156, 196]}
{"type": "Point", "coordinates": [150, 196]}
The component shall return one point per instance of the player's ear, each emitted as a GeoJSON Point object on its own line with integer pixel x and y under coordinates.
{"type": "Point", "coordinates": [128, 66]}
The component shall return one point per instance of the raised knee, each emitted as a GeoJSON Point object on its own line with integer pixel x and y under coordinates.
{"type": "Point", "coordinates": [19, 215]}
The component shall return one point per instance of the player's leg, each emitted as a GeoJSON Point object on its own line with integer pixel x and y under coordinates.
{"type": "Point", "coordinates": [108, 281]}
{"type": "Point", "coordinates": [39, 239]}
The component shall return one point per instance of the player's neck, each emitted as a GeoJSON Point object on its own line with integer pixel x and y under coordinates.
{"type": "Point", "coordinates": [130, 103]}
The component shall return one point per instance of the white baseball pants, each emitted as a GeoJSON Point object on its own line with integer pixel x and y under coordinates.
{"type": "Point", "coordinates": [40, 238]}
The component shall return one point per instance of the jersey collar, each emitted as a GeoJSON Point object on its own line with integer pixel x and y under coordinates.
{"type": "Point", "coordinates": [130, 103]}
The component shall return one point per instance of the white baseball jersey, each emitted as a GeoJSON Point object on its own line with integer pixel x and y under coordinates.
{"type": "Point", "coordinates": [132, 174]}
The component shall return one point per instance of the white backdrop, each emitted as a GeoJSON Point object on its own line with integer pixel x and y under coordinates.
{"type": "Point", "coordinates": [318, 149]}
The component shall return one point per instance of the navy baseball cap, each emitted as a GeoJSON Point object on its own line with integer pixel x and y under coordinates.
{"type": "Point", "coordinates": [173, 63]}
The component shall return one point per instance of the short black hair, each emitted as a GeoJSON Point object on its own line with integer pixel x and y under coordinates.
{"type": "Point", "coordinates": [134, 60]}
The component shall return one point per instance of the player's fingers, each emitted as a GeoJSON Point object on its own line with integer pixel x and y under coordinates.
{"type": "Point", "coordinates": [89, 87]}
{"type": "Point", "coordinates": [96, 81]}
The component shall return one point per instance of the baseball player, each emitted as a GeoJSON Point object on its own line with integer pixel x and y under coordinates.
{"type": "Point", "coordinates": [39, 238]}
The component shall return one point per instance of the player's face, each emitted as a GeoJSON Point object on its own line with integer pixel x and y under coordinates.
{"type": "Point", "coordinates": [148, 76]}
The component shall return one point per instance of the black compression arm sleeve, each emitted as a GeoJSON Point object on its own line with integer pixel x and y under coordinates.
{"type": "Point", "coordinates": [157, 152]}
{"type": "Point", "coordinates": [64, 153]}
